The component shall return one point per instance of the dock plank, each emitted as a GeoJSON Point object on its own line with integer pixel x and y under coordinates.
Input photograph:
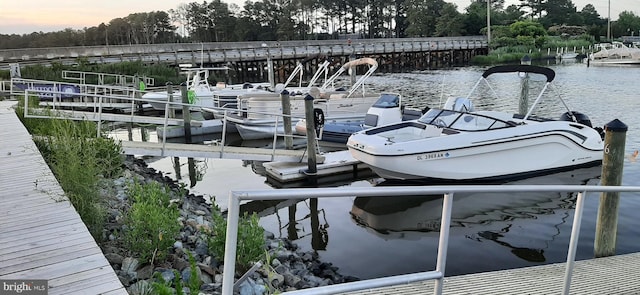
{"type": "Point", "coordinates": [41, 234]}
{"type": "Point", "coordinates": [609, 275]}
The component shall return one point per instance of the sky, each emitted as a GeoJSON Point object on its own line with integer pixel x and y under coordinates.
{"type": "Point", "coordinates": [27, 16]}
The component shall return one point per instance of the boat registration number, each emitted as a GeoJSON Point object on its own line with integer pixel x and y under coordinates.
{"type": "Point", "coordinates": [432, 156]}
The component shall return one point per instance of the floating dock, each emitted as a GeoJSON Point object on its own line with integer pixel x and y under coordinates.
{"type": "Point", "coordinates": [339, 162]}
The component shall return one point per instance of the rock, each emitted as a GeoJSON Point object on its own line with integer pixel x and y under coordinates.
{"type": "Point", "coordinates": [211, 288]}
{"type": "Point", "coordinates": [177, 245]}
{"type": "Point", "coordinates": [114, 258]}
{"type": "Point", "coordinates": [140, 287]}
{"type": "Point", "coordinates": [201, 248]}
{"type": "Point", "coordinates": [207, 269]}
{"type": "Point", "coordinates": [291, 279]}
{"type": "Point", "coordinates": [130, 265]}
{"type": "Point", "coordinates": [217, 279]}
{"type": "Point", "coordinates": [167, 274]}
{"type": "Point", "coordinates": [145, 272]}
{"type": "Point", "coordinates": [178, 263]}
{"type": "Point", "coordinates": [249, 287]}
{"type": "Point", "coordinates": [277, 280]}
{"type": "Point", "coordinates": [199, 212]}
{"type": "Point", "coordinates": [186, 275]}
{"type": "Point", "coordinates": [269, 235]}
{"type": "Point", "coordinates": [205, 278]}
{"type": "Point", "coordinates": [281, 269]}
{"type": "Point", "coordinates": [126, 278]}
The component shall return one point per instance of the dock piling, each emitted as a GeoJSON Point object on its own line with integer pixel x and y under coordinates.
{"type": "Point", "coordinates": [286, 112]}
{"type": "Point", "coordinates": [612, 164]}
{"type": "Point", "coordinates": [186, 112]}
{"type": "Point", "coordinates": [312, 168]}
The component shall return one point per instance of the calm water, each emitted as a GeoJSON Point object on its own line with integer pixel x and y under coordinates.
{"type": "Point", "coordinates": [373, 237]}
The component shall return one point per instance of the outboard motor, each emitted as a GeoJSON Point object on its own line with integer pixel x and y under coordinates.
{"type": "Point", "coordinates": [579, 118]}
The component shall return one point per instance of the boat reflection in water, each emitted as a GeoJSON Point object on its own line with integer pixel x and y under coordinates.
{"type": "Point", "coordinates": [414, 217]}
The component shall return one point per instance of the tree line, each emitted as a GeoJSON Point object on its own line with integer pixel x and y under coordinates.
{"type": "Point", "coordinates": [217, 21]}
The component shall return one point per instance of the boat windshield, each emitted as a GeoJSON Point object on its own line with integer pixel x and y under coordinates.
{"type": "Point", "coordinates": [387, 101]}
{"type": "Point", "coordinates": [462, 121]}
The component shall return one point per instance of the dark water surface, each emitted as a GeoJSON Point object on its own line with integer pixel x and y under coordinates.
{"type": "Point", "coordinates": [374, 237]}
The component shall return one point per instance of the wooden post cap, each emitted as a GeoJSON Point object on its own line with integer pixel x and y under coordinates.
{"type": "Point", "coordinates": [616, 126]}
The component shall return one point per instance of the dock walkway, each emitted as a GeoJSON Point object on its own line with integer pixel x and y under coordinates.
{"type": "Point", "coordinates": [610, 275]}
{"type": "Point", "coordinates": [41, 235]}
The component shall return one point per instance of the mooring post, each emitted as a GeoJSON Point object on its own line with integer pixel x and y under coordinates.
{"type": "Point", "coordinates": [311, 135]}
{"type": "Point", "coordinates": [186, 112]}
{"type": "Point", "coordinates": [612, 163]}
{"type": "Point", "coordinates": [523, 105]}
{"type": "Point", "coordinates": [286, 114]}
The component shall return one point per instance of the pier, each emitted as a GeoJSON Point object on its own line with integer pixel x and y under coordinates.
{"type": "Point", "coordinates": [249, 60]}
{"type": "Point", "coordinates": [41, 235]}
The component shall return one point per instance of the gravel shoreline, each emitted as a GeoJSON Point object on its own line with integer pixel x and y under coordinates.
{"type": "Point", "coordinates": [290, 267]}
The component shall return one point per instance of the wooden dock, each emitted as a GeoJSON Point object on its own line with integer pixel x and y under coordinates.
{"type": "Point", "coordinates": [213, 151]}
{"type": "Point", "coordinates": [610, 275]}
{"type": "Point", "coordinates": [41, 235]}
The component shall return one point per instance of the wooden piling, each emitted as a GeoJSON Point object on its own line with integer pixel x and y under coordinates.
{"type": "Point", "coordinates": [612, 163]}
{"type": "Point", "coordinates": [523, 103]}
{"type": "Point", "coordinates": [186, 112]}
{"type": "Point", "coordinates": [286, 114]}
{"type": "Point", "coordinates": [312, 168]}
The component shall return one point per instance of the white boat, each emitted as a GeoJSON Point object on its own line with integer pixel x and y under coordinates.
{"type": "Point", "coordinates": [615, 53]}
{"type": "Point", "coordinates": [257, 113]}
{"type": "Point", "coordinates": [387, 109]}
{"type": "Point", "coordinates": [459, 143]}
{"type": "Point", "coordinates": [200, 92]}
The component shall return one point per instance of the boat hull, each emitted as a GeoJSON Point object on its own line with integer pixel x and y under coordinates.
{"type": "Point", "coordinates": [489, 155]}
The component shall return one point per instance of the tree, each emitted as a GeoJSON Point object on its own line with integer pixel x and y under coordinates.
{"type": "Point", "coordinates": [560, 12]}
{"type": "Point", "coordinates": [422, 16]}
{"type": "Point", "coordinates": [535, 7]}
{"type": "Point", "coordinates": [450, 21]}
{"type": "Point", "coordinates": [627, 23]}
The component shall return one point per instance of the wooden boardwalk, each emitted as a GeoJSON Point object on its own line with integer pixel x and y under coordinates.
{"type": "Point", "coordinates": [610, 275]}
{"type": "Point", "coordinates": [41, 234]}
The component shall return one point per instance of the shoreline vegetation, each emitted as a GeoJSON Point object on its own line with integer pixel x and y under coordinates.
{"type": "Point", "coordinates": [159, 238]}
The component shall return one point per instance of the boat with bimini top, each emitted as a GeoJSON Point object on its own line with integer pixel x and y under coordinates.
{"type": "Point", "coordinates": [460, 143]}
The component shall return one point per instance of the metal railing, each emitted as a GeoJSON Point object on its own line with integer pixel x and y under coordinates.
{"type": "Point", "coordinates": [97, 103]}
{"type": "Point", "coordinates": [448, 191]}
{"type": "Point", "coordinates": [105, 78]}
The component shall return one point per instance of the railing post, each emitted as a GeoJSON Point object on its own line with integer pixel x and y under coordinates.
{"type": "Point", "coordinates": [443, 243]}
{"type": "Point", "coordinates": [612, 164]}
{"type": "Point", "coordinates": [573, 243]}
{"type": "Point", "coordinates": [231, 244]}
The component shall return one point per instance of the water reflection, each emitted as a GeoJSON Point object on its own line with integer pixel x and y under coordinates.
{"type": "Point", "coordinates": [293, 225]}
{"type": "Point", "coordinates": [414, 217]}
{"type": "Point", "coordinates": [196, 168]}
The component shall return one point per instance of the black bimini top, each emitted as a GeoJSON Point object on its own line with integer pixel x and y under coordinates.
{"type": "Point", "coordinates": [549, 73]}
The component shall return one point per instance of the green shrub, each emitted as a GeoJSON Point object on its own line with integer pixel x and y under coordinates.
{"type": "Point", "coordinates": [151, 223]}
{"type": "Point", "coordinates": [250, 242]}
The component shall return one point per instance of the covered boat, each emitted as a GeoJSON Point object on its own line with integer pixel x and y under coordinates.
{"type": "Point", "coordinates": [459, 143]}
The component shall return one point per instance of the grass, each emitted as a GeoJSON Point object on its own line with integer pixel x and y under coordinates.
{"type": "Point", "coordinates": [250, 241]}
{"type": "Point", "coordinates": [80, 161]}
{"type": "Point", "coordinates": [151, 223]}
